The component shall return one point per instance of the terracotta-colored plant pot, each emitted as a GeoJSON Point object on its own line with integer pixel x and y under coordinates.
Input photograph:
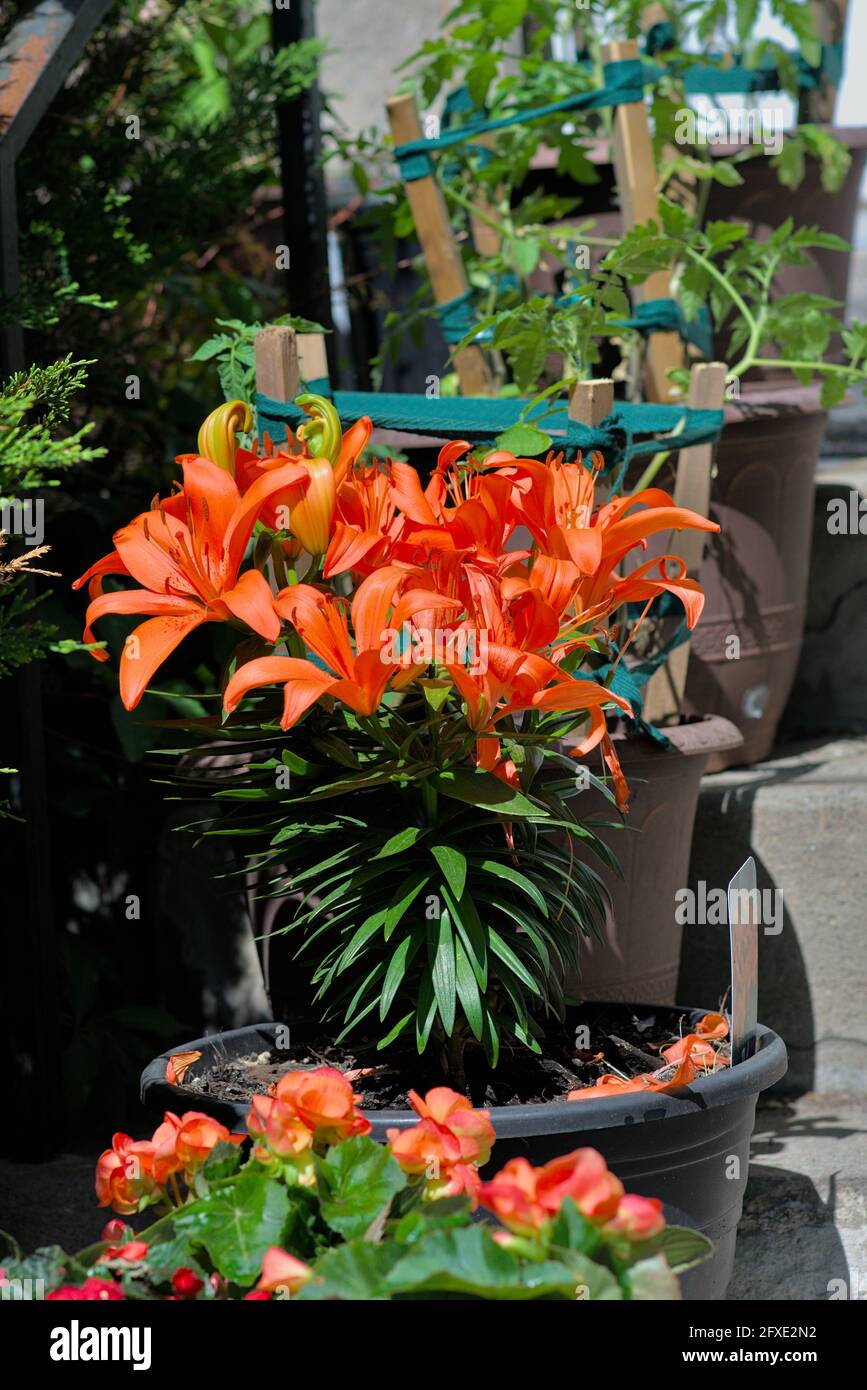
{"type": "Point", "coordinates": [638, 954]}
{"type": "Point", "coordinates": [755, 572]}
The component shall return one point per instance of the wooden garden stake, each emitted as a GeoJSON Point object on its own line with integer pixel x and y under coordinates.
{"type": "Point", "coordinates": [591, 401]}
{"type": "Point", "coordinates": [683, 188]}
{"type": "Point", "coordinates": [831, 25]}
{"type": "Point", "coordinates": [312, 358]}
{"type": "Point", "coordinates": [635, 171]}
{"type": "Point", "coordinates": [486, 239]}
{"type": "Point", "coordinates": [664, 695]}
{"type": "Point", "coordinates": [278, 373]}
{"type": "Point", "coordinates": [438, 244]}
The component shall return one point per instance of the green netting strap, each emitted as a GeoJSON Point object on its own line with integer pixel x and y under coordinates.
{"type": "Point", "coordinates": [630, 431]}
{"type": "Point", "coordinates": [624, 82]}
{"type": "Point", "coordinates": [705, 80]}
{"type": "Point", "coordinates": [319, 386]}
{"type": "Point", "coordinates": [629, 681]}
{"type": "Point", "coordinates": [666, 316]}
{"type": "Point", "coordinates": [457, 319]}
{"type": "Point", "coordinates": [661, 37]}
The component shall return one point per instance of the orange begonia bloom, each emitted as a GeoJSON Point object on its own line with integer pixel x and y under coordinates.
{"type": "Point", "coordinates": [279, 1127]}
{"type": "Point", "coordinates": [281, 1271]}
{"type": "Point", "coordinates": [524, 1198]}
{"type": "Point", "coordinates": [186, 554]}
{"type": "Point", "coordinates": [326, 1103]}
{"type": "Point", "coordinates": [453, 1112]}
{"type": "Point", "coordinates": [182, 1143]}
{"type": "Point", "coordinates": [637, 1218]}
{"type": "Point", "coordinates": [448, 1145]}
{"type": "Point", "coordinates": [125, 1175]}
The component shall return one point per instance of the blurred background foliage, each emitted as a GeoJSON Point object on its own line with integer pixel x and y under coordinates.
{"type": "Point", "coordinates": [149, 208]}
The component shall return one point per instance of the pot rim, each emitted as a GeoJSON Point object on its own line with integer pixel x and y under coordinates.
{"type": "Point", "coordinates": [699, 735]}
{"type": "Point", "coordinates": [729, 1086]}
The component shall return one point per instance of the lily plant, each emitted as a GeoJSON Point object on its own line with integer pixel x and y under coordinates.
{"type": "Point", "coordinates": [406, 670]}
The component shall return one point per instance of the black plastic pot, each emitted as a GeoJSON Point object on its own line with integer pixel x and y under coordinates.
{"type": "Point", "coordinates": [689, 1149]}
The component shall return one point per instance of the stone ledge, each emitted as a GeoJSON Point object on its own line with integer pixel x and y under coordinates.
{"type": "Point", "coordinates": [801, 815]}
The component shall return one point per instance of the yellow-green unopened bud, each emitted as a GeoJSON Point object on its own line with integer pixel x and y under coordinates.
{"type": "Point", "coordinates": [217, 434]}
{"type": "Point", "coordinates": [323, 436]}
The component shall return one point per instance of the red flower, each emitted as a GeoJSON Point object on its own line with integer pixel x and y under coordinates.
{"type": "Point", "coordinates": [92, 1290]}
{"type": "Point", "coordinates": [185, 1283]}
{"type": "Point", "coordinates": [116, 1232]}
{"type": "Point", "coordinates": [132, 1251]}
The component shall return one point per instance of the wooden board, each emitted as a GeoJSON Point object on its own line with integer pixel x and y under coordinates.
{"type": "Point", "coordinates": [439, 245]}
{"type": "Point", "coordinates": [664, 694]}
{"type": "Point", "coordinates": [635, 171]}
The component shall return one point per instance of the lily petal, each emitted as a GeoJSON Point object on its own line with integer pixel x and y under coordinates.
{"type": "Point", "coordinates": [148, 647]}
{"type": "Point", "coordinates": [251, 600]}
{"type": "Point", "coordinates": [303, 684]}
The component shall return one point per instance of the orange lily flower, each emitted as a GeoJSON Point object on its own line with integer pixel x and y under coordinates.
{"type": "Point", "coordinates": [581, 549]}
{"type": "Point", "coordinates": [186, 554]}
{"type": "Point", "coordinates": [480, 520]}
{"type": "Point", "coordinates": [311, 512]}
{"type": "Point", "coordinates": [308, 507]}
{"type": "Point", "coordinates": [363, 519]}
{"type": "Point", "coordinates": [357, 677]}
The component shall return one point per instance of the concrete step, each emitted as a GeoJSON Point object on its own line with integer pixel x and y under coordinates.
{"type": "Point", "coordinates": [802, 816]}
{"type": "Point", "coordinates": [803, 1234]}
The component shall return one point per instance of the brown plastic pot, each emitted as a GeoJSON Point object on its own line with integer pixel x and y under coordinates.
{"type": "Point", "coordinates": [638, 953]}
{"type": "Point", "coordinates": [755, 572]}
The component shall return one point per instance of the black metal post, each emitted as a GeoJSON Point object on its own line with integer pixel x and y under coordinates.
{"type": "Point", "coordinates": [304, 206]}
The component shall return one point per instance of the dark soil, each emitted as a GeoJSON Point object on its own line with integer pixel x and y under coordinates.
{"type": "Point", "coordinates": [620, 1040]}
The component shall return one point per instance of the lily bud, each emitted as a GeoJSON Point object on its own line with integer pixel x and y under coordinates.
{"type": "Point", "coordinates": [217, 434]}
{"type": "Point", "coordinates": [310, 519]}
{"type": "Point", "coordinates": [322, 436]}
